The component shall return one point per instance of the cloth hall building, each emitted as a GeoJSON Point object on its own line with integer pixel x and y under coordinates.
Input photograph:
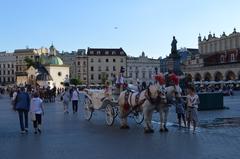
{"type": "Point", "coordinates": [218, 58]}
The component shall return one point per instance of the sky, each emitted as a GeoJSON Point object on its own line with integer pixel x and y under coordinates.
{"type": "Point", "coordinates": [134, 25]}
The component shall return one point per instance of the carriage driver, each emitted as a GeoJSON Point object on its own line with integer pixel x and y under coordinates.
{"type": "Point", "coordinates": [107, 90]}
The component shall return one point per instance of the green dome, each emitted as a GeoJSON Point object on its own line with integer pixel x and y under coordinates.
{"type": "Point", "coordinates": [51, 60]}
{"type": "Point", "coordinates": [54, 60]}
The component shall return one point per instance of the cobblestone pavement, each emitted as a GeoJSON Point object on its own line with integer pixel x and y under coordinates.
{"type": "Point", "coordinates": [71, 137]}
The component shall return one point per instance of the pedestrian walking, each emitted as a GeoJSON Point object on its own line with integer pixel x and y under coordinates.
{"type": "Point", "coordinates": [36, 111]}
{"type": "Point", "coordinates": [179, 104]}
{"type": "Point", "coordinates": [22, 106]}
{"type": "Point", "coordinates": [192, 106]}
{"type": "Point", "coordinates": [65, 97]}
{"type": "Point", "coordinates": [74, 98]}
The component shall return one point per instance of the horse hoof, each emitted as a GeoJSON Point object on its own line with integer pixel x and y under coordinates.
{"type": "Point", "coordinates": [161, 130]}
{"type": "Point", "coordinates": [124, 127]}
{"type": "Point", "coordinates": [127, 127]}
{"type": "Point", "coordinates": [148, 131]}
{"type": "Point", "coordinates": [165, 128]}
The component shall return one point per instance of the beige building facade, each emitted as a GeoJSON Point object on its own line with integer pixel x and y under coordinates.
{"type": "Point", "coordinates": [7, 68]}
{"type": "Point", "coordinates": [105, 64]}
{"type": "Point", "coordinates": [219, 59]}
{"type": "Point", "coordinates": [142, 68]}
{"type": "Point", "coordinates": [77, 62]}
{"type": "Point", "coordinates": [21, 54]}
{"type": "Point", "coordinates": [82, 67]}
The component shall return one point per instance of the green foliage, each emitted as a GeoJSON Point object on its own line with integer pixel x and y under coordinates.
{"type": "Point", "coordinates": [75, 81]}
{"type": "Point", "coordinates": [29, 61]}
{"type": "Point", "coordinates": [103, 77]}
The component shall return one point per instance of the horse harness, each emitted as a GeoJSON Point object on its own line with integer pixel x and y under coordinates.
{"type": "Point", "coordinates": [152, 100]}
{"type": "Point", "coordinates": [128, 95]}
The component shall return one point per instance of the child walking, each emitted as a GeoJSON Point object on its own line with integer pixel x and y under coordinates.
{"type": "Point", "coordinates": [179, 103]}
{"type": "Point", "coordinates": [36, 109]}
{"type": "Point", "coordinates": [66, 99]}
{"type": "Point", "coordinates": [192, 106]}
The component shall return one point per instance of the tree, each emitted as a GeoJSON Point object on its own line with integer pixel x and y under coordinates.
{"type": "Point", "coordinates": [29, 61]}
{"type": "Point", "coordinates": [104, 77]}
{"type": "Point", "coordinates": [75, 81]}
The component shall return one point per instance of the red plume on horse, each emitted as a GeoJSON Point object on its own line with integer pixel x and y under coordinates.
{"type": "Point", "coordinates": [173, 78]}
{"type": "Point", "coordinates": [160, 78]}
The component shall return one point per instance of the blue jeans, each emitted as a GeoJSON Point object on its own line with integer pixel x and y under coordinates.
{"type": "Point", "coordinates": [75, 106]}
{"type": "Point", "coordinates": [21, 113]}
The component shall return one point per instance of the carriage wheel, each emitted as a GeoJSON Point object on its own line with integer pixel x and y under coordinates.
{"type": "Point", "coordinates": [109, 115]}
{"type": "Point", "coordinates": [87, 109]}
{"type": "Point", "coordinates": [138, 117]}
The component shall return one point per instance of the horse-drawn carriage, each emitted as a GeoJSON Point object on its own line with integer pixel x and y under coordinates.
{"type": "Point", "coordinates": [97, 100]}
{"type": "Point", "coordinates": [139, 105]}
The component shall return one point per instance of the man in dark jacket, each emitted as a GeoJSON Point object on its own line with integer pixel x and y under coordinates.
{"type": "Point", "coordinates": [22, 106]}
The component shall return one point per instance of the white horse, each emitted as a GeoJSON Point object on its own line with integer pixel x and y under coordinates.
{"type": "Point", "coordinates": [166, 95]}
{"type": "Point", "coordinates": [153, 104]}
{"type": "Point", "coordinates": [129, 101]}
{"type": "Point", "coordinates": [164, 107]}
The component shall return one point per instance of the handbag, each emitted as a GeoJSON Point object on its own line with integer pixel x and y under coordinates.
{"type": "Point", "coordinates": [32, 116]}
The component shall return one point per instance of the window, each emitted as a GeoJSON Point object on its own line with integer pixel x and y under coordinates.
{"type": "Point", "coordinates": [114, 60]}
{"type": "Point", "coordinates": [59, 73]}
{"type": "Point", "coordinates": [113, 53]}
{"type": "Point", "coordinates": [4, 72]}
{"type": "Point", "coordinates": [98, 52]}
{"type": "Point", "coordinates": [84, 63]}
{"type": "Point", "coordinates": [99, 68]}
{"type": "Point", "coordinates": [107, 69]}
{"type": "Point", "coordinates": [114, 68]}
{"type": "Point", "coordinates": [106, 52]}
{"type": "Point", "coordinates": [12, 66]}
{"type": "Point", "coordinates": [232, 58]}
{"type": "Point", "coordinates": [92, 68]}
{"type": "Point", "coordinates": [99, 60]}
{"type": "Point", "coordinates": [8, 72]}
{"type": "Point", "coordinates": [0, 72]}
{"type": "Point", "coordinates": [130, 74]}
{"type": "Point", "coordinates": [3, 65]}
{"type": "Point", "coordinates": [222, 59]}
{"type": "Point", "coordinates": [78, 62]}
{"type": "Point", "coordinates": [8, 79]}
{"type": "Point", "coordinates": [136, 74]}
{"type": "Point", "coordinates": [92, 60]}
{"type": "Point", "coordinates": [106, 60]}
{"type": "Point", "coordinates": [143, 74]}
{"type": "Point", "coordinates": [150, 75]}
{"type": "Point", "coordinates": [130, 68]}
{"type": "Point", "coordinates": [99, 76]}
{"type": "Point", "coordinates": [91, 52]}
{"type": "Point", "coordinates": [121, 60]}
{"type": "Point", "coordinates": [8, 65]}
{"type": "Point", "coordinates": [92, 77]}
{"type": "Point", "coordinates": [197, 61]}
{"type": "Point", "coordinates": [12, 79]}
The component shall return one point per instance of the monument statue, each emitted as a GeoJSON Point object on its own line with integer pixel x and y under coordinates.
{"type": "Point", "coordinates": [174, 46]}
